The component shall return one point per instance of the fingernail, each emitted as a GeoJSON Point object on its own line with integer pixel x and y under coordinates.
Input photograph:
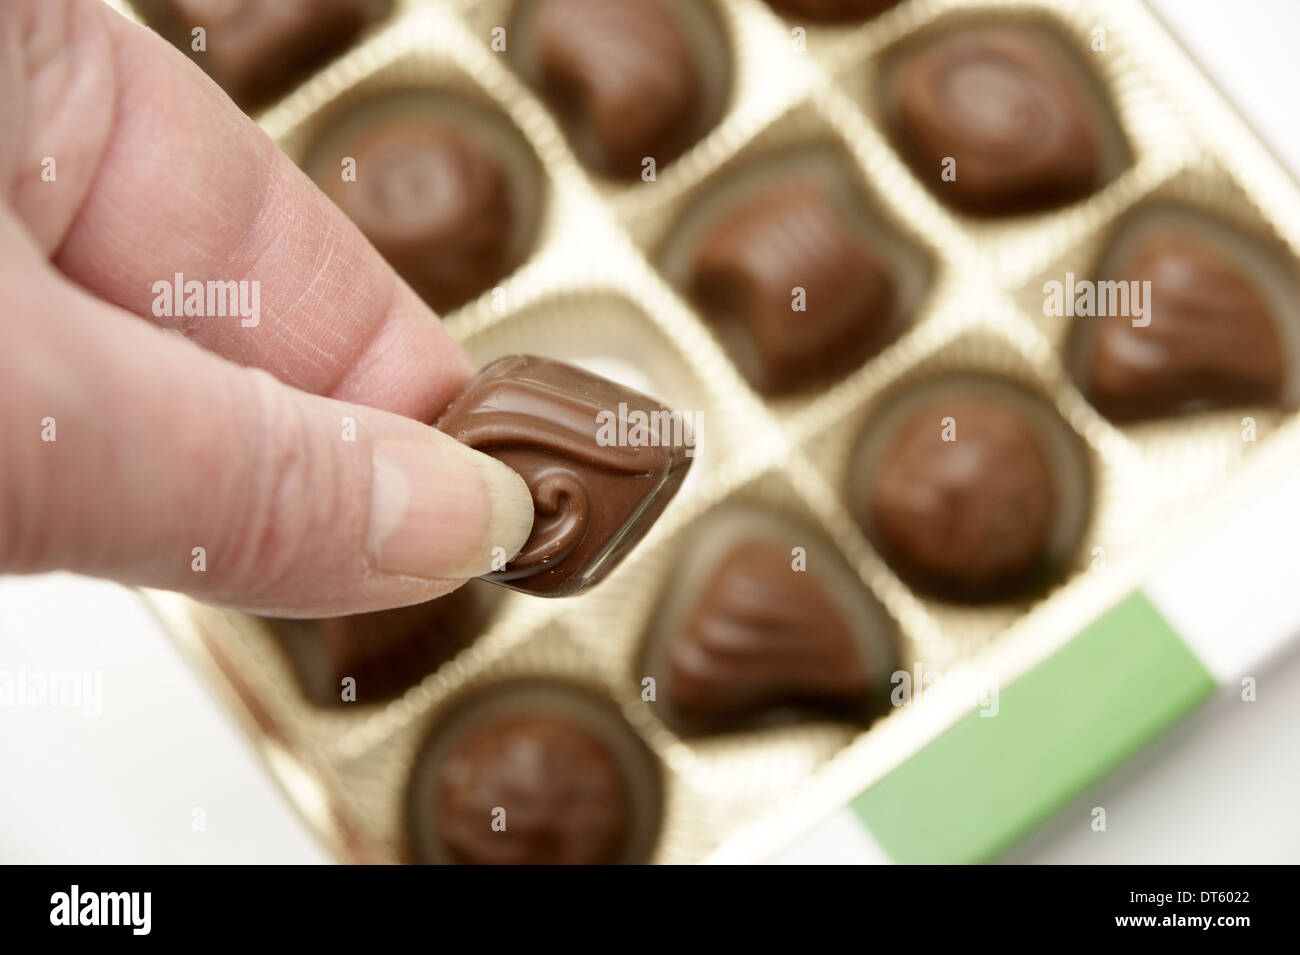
{"type": "Point", "coordinates": [441, 509]}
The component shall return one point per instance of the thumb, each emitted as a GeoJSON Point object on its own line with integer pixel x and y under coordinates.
{"type": "Point", "coordinates": [132, 454]}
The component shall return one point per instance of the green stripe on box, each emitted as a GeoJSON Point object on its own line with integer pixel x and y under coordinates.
{"type": "Point", "coordinates": [987, 781]}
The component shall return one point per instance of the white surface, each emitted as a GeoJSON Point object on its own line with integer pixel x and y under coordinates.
{"type": "Point", "coordinates": [124, 787]}
{"type": "Point", "coordinates": [1202, 595]}
{"type": "Point", "coordinates": [840, 840]}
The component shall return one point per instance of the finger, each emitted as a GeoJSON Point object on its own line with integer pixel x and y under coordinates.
{"type": "Point", "coordinates": [132, 454]}
{"type": "Point", "coordinates": [159, 173]}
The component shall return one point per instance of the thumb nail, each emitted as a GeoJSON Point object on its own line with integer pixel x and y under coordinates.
{"type": "Point", "coordinates": [441, 509]}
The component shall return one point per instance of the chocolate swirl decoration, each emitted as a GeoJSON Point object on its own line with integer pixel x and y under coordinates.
{"type": "Point", "coordinates": [593, 497]}
{"type": "Point", "coordinates": [1006, 105]}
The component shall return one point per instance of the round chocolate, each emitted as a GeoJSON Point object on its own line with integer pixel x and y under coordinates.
{"type": "Point", "coordinates": [431, 197]}
{"type": "Point", "coordinates": [832, 11]}
{"type": "Point", "coordinates": [557, 790]}
{"type": "Point", "coordinates": [622, 75]}
{"type": "Point", "coordinates": [970, 518]}
{"type": "Point", "coordinates": [1002, 109]}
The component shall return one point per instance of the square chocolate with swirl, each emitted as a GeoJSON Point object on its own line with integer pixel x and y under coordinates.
{"type": "Point", "coordinates": [601, 460]}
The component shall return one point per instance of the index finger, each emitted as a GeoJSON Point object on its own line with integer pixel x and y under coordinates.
{"type": "Point", "coordinates": [180, 182]}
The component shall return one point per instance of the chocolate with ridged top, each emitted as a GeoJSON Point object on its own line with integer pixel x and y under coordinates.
{"type": "Point", "coordinates": [622, 77]}
{"type": "Point", "coordinates": [430, 196]}
{"type": "Point", "coordinates": [763, 621]}
{"type": "Point", "coordinates": [1003, 103]}
{"type": "Point", "coordinates": [1211, 341]}
{"type": "Point", "coordinates": [596, 456]}
{"type": "Point", "coordinates": [764, 635]}
{"type": "Point", "coordinates": [970, 519]}
{"type": "Point", "coordinates": [832, 11]}
{"type": "Point", "coordinates": [563, 793]}
{"type": "Point", "coordinates": [255, 49]}
{"type": "Point", "coordinates": [749, 265]}
{"type": "Point", "coordinates": [386, 652]}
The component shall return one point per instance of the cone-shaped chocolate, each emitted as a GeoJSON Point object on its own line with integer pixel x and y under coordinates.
{"type": "Point", "coordinates": [1211, 341]}
{"type": "Point", "coordinates": [764, 621]}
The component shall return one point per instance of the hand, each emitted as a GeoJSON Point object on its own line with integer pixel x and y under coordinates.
{"type": "Point", "coordinates": [228, 470]}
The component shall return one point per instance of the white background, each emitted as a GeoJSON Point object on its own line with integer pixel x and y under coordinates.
{"type": "Point", "coordinates": [124, 787]}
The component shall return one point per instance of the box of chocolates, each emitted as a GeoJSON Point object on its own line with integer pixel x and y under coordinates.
{"type": "Point", "coordinates": [848, 348]}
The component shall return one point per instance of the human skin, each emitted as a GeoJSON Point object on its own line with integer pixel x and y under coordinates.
{"type": "Point", "coordinates": [235, 441]}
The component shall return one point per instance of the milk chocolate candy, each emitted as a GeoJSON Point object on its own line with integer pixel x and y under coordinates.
{"type": "Point", "coordinates": [1211, 340]}
{"type": "Point", "coordinates": [533, 771]}
{"type": "Point", "coordinates": [796, 293]}
{"type": "Point", "coordinates": [256, 48]}
{"type": "Point", "coordinates": [1005, 105]}
{"type": "Point", "coordinates": [622, 77]}
{"type": "Point", "coordinates": [970, 519]}
{"type": "Point", "coordinates": [832, 11]}
{"type": "Point", "coordinates": [385, 652]}
{"type": "Point", "coordinates": [564, 796]}
{"type": "Point", "coordinates": [432, 199]}
{"type": "Point", "coordinates": [765, 622]}
{"type": "Point", "coordinates": [602, 462]}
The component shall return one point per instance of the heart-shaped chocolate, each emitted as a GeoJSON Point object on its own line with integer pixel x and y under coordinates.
{"type": "Point", "coordinates": [795, 290]}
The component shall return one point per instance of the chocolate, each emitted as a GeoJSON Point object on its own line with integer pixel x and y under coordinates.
{"type": "Point", "coordinates": [622, 77]}
{"type": "Point", "coordinates": [563, 794]}
{"type": "Point", "coordinates": [431, 197]}
{"type": "Point", "coordinates": [764, 622]}
{"type": "Point", "coordinates": [1210, 338]}
{"type": "Point", "coordinates": [797, 294]}
{"type": "Point", "coordinates": [968, 519]}
{"type": "Point", "coordinates": [386, 652]}
{"type": "Point", "coordinates": [255, 49]}
{"type": "Point", "coordinates": [602, 462]}
{"type": "Point", "coordinates": [832, 11]}
{"type": "Point", "coordinates": [1008, 107]}
{"type": "Point", "coordinates": [534, 772]}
